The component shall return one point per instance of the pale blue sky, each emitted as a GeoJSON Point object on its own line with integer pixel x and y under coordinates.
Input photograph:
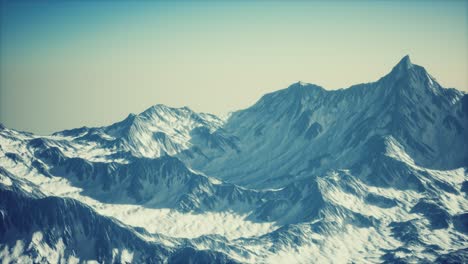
{"type": "Point", "coordinates": [66, 65]}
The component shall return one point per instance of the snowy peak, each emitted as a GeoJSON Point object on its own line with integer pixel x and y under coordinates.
{"type": "Point", "coordinates": [303, 86]}
{"type": "Point", "coordinates": [404, 64]}
{"type": "Point", "coordinates": [161, 129]}
{"type": "Point", "coordinates": [286, 101]}
{"type": "Point", "coordinates": [404, 69]}
{"type": "Point", "coordinates": [408, 76]}
{"type": "Point", "coordinates": [161, 111]}
{"type": "Point", "coordinates": [162, 114]}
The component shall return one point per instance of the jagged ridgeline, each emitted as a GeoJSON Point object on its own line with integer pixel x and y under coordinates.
{"type": "Point", "coordinates": [373, 173]}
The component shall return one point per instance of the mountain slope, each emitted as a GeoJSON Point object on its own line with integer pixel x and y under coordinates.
{"type": "Point", "coordinates": [157, 131]}
{"type": "Point", "coordinates": [39, 229]}
{"type": "Point", "coordinates": [306, 127]}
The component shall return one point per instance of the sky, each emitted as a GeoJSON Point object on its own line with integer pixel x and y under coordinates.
{"type": "Point", "coordinates": [67, 64]}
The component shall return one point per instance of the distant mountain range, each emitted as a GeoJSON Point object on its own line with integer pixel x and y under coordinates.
{"type": "Point", "coordinates": [373, 173]}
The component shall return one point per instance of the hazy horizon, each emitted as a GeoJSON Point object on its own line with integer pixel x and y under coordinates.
{"type": "Point", "coordinates": [67, 65]}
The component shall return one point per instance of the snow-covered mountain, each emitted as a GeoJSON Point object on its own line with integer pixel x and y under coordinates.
{"type": "Point", "coordinates": [306, 128]}
{"type": "Point", "coordinates": [376, 172]}
{"type": "Point", "coordinates": [36, 228]}
{"type": "Point", "coordinates": [157, 131]}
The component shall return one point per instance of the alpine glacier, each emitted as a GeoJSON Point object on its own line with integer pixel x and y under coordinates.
{"type": "Point", "coordinates": [374, 173]}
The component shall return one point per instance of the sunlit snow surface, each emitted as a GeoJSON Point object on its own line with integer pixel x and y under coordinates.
{"type": "Point", "coordinates": [369, 174]}
{"type": "Point", "coordinates": [166, 221]}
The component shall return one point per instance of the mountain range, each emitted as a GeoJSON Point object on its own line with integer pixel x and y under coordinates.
{"type": "Point", "coordinates": [374, 173]}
